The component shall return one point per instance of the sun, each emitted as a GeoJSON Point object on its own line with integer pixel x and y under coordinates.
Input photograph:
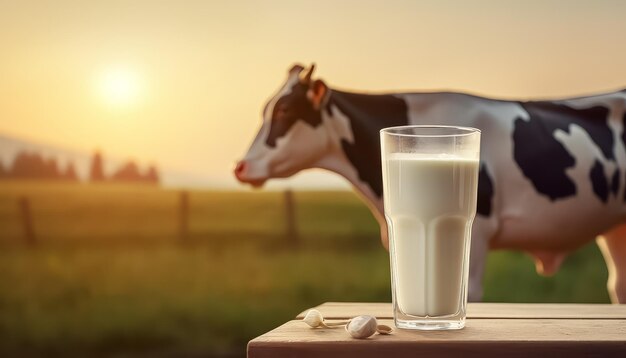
{"type": "Point", "coordinates": [119, 86]}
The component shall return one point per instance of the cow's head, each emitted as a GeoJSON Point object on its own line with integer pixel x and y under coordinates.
{"type": "Point", "coordinates": [291, 137]}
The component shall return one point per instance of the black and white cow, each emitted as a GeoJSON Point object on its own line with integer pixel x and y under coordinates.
{"type": "Point", "coordinates": [552, 175]}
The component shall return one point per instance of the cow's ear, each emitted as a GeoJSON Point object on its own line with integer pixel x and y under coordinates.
{"type": "Point", "coordinates": [316, 93]}
{"type": "Point", "coordinates": [296, 69]}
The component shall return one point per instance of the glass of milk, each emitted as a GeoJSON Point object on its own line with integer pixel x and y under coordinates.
{"type": "Point", "coordinates": [430, 182]}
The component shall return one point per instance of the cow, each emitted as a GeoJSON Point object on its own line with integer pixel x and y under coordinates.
{"type": "Point", "coordinates": [552, 173]}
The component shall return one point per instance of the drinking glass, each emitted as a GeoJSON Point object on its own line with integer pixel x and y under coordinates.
{"type": "Point", "coordinates": [430, 184]}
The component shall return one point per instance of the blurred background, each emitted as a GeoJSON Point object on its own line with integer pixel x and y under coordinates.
{"type": "Point", "coordinates": [122, 230]}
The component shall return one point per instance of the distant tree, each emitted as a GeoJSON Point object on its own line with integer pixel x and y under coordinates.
{"type": "Point", "coordinates": [22, 165]}
{"type": "Point", "coordinates": [28, 166]}
{"type": "Point", "coordinates": [129, 172]}
{"type": "Point", "coordinates": [96, 172]}
{"type": "Point", "coordinates": [51, 169]}
{"type": "Point", "coordinates": [70, 173]}
{"type": "Point", "coordinates": [33, 166]}
{"type": "Point", "coordinates": [152, 175]}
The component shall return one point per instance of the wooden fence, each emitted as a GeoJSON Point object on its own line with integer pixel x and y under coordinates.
{"type": "Point", "coordinates": [292, 236]}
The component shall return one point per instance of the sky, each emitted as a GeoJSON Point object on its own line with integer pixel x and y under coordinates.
{"type": "Point", "coordinates": [182, 83]}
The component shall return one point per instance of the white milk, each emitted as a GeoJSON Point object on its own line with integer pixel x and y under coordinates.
{"type": "Point", "coordinates": [430, 206]}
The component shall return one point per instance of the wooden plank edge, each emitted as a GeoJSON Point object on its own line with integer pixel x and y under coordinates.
{"type": "Point", "coordinates": [442, 349]}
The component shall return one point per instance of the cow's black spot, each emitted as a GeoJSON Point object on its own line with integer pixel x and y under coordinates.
{"type": "Point", "coordinates": [368, 114]}
{"type": "Point", "coordinates": [624, 141]}
{"type": "Point", "coordinates": [485, 192]}
{"type": "Point", "coordinates": [289, 109]}
{"type": "Point", "coordinates": [624, 129]}
{"type": "Point", "coordinates": [625, 191]}
{"type": "Point", "coordinates": [615, 182]}
{"type": "Point", "coordinates": [599, 182]}
{"type": "Point", "coordinates": [546, 174]}
{"type": "Point", "coordinates": [593, 120]}
{"type": "Point", "coordinates": [542, 158]}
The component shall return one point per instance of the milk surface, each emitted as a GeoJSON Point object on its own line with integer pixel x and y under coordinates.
{"type": "Point", "coordinates": [430, 203]}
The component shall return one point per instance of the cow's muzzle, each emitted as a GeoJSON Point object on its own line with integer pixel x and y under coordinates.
{"type": "Point", "coordinates": [241, 173]}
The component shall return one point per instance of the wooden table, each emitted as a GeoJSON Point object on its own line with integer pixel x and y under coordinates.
{"type": "Point", "coordinates": [492, 330]}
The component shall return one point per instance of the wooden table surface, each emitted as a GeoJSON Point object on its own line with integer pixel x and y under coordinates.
{"type": "Point", "coordinates": [491, 330]}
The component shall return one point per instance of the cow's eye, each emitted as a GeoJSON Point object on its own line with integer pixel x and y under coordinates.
{"type": "Point", "coordinates": [282, 112]}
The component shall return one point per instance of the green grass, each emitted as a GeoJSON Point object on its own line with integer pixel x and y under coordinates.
{"type": "Point", "coordinates": [511, 277]}
{"type": "Point", "coordinates": [168, 297]}
{"type": "Point", "coordinates": [109, 275]}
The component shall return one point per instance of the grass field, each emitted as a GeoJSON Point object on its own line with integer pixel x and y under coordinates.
{"type": "Point", "coordinates": [109, 275]}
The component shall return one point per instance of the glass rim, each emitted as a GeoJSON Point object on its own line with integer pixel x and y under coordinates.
{"type": "Point", "coordinates": [397, 130]}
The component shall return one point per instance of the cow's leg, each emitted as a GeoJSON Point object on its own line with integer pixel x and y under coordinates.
{"type": "Point", "coordinates": [612, 244]}
{"type": "Point", "coordinates": [482, 232]}
{"type": "Point", "coordinates": [384, 235]}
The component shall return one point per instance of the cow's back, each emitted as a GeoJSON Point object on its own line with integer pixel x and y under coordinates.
{"type": "Point", "coordinates": [556, 169]}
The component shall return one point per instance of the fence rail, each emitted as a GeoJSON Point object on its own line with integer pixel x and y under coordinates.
{"type": "Point", "coordinates": [183, 213]}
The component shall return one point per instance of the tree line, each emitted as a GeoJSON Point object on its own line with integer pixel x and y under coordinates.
{"type": "Point", "coordinates": [30, 165]}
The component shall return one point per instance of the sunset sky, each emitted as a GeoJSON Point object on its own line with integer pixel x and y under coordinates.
{"type": "Point", "coordinates": [182, 83]}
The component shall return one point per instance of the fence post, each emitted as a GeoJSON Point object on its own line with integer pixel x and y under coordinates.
{"type": "Point", "coordinates": [183, 216]}
{"type": "Point", "coordinates": [27, 220]}
{"type": "Point", "coordinates": [290, 216]}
